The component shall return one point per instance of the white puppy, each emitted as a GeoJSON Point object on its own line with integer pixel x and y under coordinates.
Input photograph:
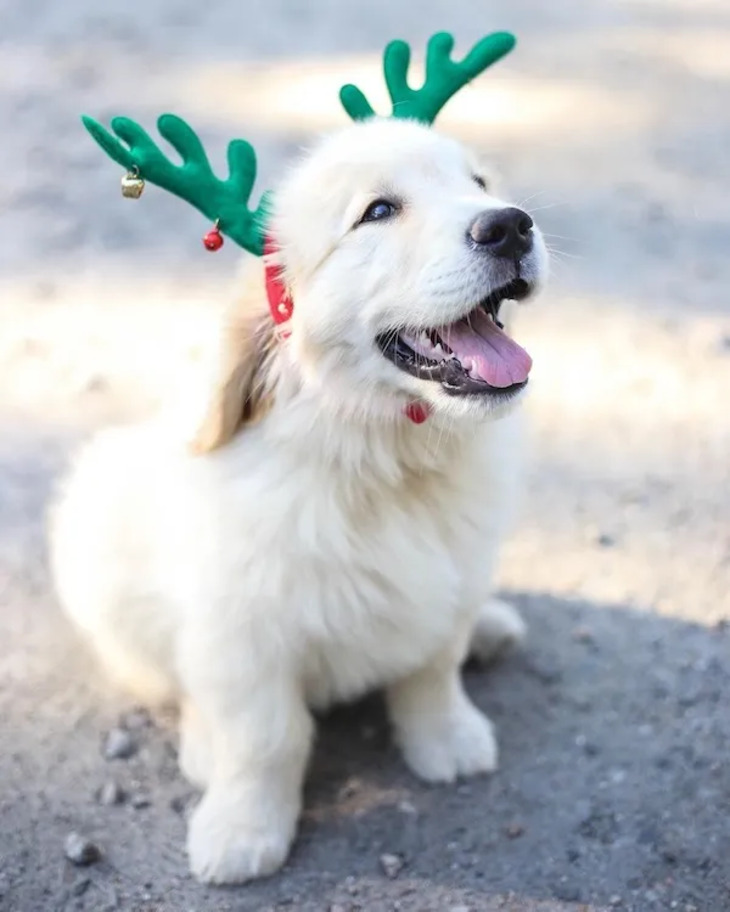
{"type": "Point", "coordinates": [317, 543]}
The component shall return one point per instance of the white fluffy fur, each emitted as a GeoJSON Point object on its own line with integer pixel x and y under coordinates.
{"type": "Point", "coordinates": [316, 545]}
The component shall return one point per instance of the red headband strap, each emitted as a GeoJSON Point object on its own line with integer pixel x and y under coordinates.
{"type": "Point", "coordinates": [280, 302]}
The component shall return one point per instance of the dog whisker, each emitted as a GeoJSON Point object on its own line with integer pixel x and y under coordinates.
{"type": "Point", "coordinates": [548, 206]}
{"type": "Point", "coordinates": [523, 202]}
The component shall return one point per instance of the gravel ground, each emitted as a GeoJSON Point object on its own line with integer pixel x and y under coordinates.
{"type": "Point", "coordinates": [611, 123]}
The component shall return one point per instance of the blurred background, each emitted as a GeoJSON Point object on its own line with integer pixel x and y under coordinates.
{"type": "Point", "coordinates": [610, 123]}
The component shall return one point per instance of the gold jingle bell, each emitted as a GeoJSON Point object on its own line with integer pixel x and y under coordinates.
{"type": "Point", "coordinates": [132, 184]}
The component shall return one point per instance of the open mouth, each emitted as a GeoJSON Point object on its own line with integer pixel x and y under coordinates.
{"type": "Point", "coordinates": [471, 356]}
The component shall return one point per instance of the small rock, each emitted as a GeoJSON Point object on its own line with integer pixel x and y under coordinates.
{"type": "Point", "coordinates": [406, 807]}
{"type": "Point", "coordinates": [603, 826]}
{"type": "Point", "coordinates": [392, 865]}
{"type": "Point", "coordinates": [615, 901]}
{"type": "Point", "coordinates": [140, 801]}
{"type": "Point", "coordinates": [80, 886]}
{"type": "Point", "coordinates": [604, 540]}
{"type": "Point", "coordinates": [119, 745]}
{"type": "Point", "coordinates": [514, 830]}
{"type": "Point", "coordinates": [79, 850]}
{"type": "Point", "coordinates": [184, 804]}
{"type": "Point", "coordinates": [178, 803]}
{"type": "Point", "coordinates": [110, 793]}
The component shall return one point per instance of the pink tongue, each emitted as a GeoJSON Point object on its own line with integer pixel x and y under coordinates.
{"type": "Point", "coordinates": [494, 357]}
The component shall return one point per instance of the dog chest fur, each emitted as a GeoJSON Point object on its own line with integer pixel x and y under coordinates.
{"type": "Point", "coordinates": [353, 565]}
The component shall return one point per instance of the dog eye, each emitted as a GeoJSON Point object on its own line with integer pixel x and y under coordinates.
{"type": "Point", "coordinates": [379, 210]}
{"type": "Point", "coordinates": [479, 181]}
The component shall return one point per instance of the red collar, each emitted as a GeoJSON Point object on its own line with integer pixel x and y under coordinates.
{"type": "Point", "coordinates": [281, 306]}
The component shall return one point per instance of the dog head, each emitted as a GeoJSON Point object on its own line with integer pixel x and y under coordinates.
{"type": "Point", "coordinates": [398, 259]}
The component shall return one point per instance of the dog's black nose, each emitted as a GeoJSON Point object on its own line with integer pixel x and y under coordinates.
{"type": "Point", "coordinates": [503, 232]}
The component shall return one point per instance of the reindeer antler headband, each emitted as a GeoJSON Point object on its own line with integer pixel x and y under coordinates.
{"type": "Point", "coordinates": [226, 202]}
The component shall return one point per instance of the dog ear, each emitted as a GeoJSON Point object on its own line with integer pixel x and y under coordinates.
{"type": "Point", "coordinates": [244, 389]}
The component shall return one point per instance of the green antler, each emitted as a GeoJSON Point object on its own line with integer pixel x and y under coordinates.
{"type": "Point", "coordinates": [194, 180]}
{"type": "Point", "coordinates": [444, 77]}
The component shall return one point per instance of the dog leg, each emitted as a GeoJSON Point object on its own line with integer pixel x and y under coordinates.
{"type": "Point", "coordinates": [498, 628]}
{"type": "Point", "coordinates": [260, 734]}
{"type": "Point", "coordinates": [196, 752]}
{"type": "Point", "coordinates": [441, 733]}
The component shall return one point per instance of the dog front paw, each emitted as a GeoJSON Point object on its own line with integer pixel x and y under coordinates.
{"type": "Point", "coordinates": [231, 842]}
{"type": "Point", "coordinates": [441, 748]}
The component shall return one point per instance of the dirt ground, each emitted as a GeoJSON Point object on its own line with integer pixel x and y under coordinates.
{"type": "Point", "coordinates": [611, 124]}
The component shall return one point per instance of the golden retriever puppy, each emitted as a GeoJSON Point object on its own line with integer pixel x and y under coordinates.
{"type": "Point", "coordinates": [335, 526]}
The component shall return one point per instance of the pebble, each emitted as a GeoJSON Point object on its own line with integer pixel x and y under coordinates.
{"type": "Point", "coordinates": [79, 850]}
{"type": "Point", "coordinates": [514, 830]}
{"type": "Point", "coordinates": [119, 745]}
{"type": "Point", "coordinates": [615, 900]}
{"type": "Point", "coordinates": [110, 793]}
{"type": "Point", "coordinates": [180, 804]}
{"type": "Point", "coordinates": [407, 807]}
{"type": "Point", "coordinates": [140, 801]}
{"type": "Point", "coordinates": [80, 886]}
{"type": "Point", "coordinates": [392, 865]}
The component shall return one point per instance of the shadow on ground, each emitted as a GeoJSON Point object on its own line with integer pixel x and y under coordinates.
{"type": "Point", "coordinates": [612, 788]}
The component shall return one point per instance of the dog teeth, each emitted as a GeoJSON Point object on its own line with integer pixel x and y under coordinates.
{"type": "Point", "coordinates": [437, 349]}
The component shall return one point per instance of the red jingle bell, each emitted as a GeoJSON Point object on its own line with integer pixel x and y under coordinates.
{"type": "Point", "coordinates": [418, 412]}
{"type": "Point", "coordinates": [213, 240]}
